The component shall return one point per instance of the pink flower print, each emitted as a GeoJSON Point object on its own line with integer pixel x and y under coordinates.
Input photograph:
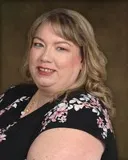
{"type": "Point", "coordinates": [95, 102]}
{"type": "Point", "coordinates": [87, 105]}
{"type": "Point", "coordinates": [63, 119]}
{"type": "Point", "coordinates": [2, 137]}
{"type": "Point", "coordinates": [9, 107]}
{"type": "Point", "coordinates": [53, 117]}
{"type": "Point", "coordinates": [44, 124]}
{"type": "Point", "coordinates": [109, 126]}
{"type": "Point", "coordinates": [108, 122]}
{"type": "Point", "coordinates": [2, 111]}
{"type": "Point", "coordinates": [100, 122]}
{"type": "Point", "coordinates": [58, 113]}
{"type": "Point", "coordinates": [106, 114]}
{"type": "Point", "coordinates": [61, 110]}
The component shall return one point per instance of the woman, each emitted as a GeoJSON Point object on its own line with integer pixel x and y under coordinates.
{"type": "Point", "coordinates": [63, 112]}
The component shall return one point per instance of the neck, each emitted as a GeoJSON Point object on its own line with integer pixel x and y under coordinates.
{"type": "Point", "coordinates": [38, 100]}
{"type": "Point", "coordinates": [42, 97]}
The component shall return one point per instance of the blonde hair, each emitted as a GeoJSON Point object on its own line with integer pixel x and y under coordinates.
{"type": "Point", "coordinates": [72, 26]}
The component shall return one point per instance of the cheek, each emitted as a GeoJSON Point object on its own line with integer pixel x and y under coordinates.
{"type": "Point", "coordinates": [31, 57]}
{"type": "Point", "coordinates": [75, 62]}
{"type": "Point", "coordinates": [70, 63]}
{"type": "Point", "coordinates": [31, 61]}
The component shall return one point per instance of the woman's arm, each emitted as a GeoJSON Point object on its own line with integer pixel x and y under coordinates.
{"type": "Point", "coordinates": [65, 144]}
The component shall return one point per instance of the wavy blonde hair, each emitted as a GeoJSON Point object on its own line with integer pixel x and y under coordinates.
{"type": "Point", "coordinates": [72, 26]}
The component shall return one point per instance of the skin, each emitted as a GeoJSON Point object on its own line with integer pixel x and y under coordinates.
{"type": "Point", "coordinates": [63, 58]}
{"type": "Point", "coordinates": [65, 144]}
{"type": "Point", "coordinates": [53, 52]}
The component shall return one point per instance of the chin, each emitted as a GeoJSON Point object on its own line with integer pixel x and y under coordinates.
{"type": "Point", "coordinates": [45, 84]}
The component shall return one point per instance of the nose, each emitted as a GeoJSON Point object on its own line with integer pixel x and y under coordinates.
{"type": "Point", "coordinates": [46, 55]}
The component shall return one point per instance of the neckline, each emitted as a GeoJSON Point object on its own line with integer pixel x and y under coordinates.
{"type": "Point", "coordinates": [43, 109]}
{"type": "Point", "coordinates": [47, 106]}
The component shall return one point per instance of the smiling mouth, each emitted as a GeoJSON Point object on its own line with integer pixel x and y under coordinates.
{"type": "Point", "coordinates": [47, 70]}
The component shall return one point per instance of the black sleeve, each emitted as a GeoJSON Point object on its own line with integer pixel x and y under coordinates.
{"type": "Point", "coordinates": [84, 112]}
{"type": "Point", "coordinates": [90, 115]}
{"type": "Point", "coordinates": [88, 121]}
{"type": "Point", "coordinates": [16, 91]}
{"type": "Point", "coordinates": [4, 95]}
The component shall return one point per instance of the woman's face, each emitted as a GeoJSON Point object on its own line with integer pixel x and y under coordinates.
{"type": "Point", "coordinates": [54, 62]}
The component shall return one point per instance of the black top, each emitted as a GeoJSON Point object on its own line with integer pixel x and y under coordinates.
{"type": "Point", "coordinates": [80, 110]}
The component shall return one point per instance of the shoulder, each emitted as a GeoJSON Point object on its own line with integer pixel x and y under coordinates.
{"type": "Point", "coordinates": [92, 114]}
{"type": "Point", "coordinates": [68, 127]}
{"type": "Point", "coordinates": [16, 91]}
{"type": "Point", "coordinates": [76, 122]}
{"type": "Point", "coordinates": [83, 111]}
{"type": "Point", "coordinates": [67, 143]}
{"type": "Point", "coordinates": [23, 87]}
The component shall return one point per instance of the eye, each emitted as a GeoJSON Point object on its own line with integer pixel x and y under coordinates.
{"type": "Point", "coordinates": [37, 45]}
{"type": "Point", "coordinates": [61, 49]}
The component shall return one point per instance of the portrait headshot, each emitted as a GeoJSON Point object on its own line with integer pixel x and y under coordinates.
{"type": "Point", "coordinates": [63, 81]}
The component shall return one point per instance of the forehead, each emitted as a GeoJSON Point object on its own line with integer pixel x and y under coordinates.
{"type": "Point", "coordinates": [49, 27]}
{"type": "Point", "coordinates": [45, 27]}
{"type": "Point", "coordinates": [64, 31]}
{"type": "Point", "coordinates": [46, 31]}
{"type": "Point", "coordinates": [51, 32]}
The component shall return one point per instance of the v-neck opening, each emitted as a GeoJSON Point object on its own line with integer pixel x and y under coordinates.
{"type": "Point", "coordinates": [46, 107]}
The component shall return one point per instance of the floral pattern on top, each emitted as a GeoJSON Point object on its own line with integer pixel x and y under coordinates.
{"type": "Point", "coordinates": [14, 105]}
{"type": "Point", "coordinates": [85, 101]}
{"type": "Point", "coordinates": [1, 97]}
{"type": "Point", "coordinates": [3, 136]}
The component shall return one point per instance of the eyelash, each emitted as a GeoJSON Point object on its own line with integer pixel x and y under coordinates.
{"type": "Point", "coordinates": [39, 45]}
{"type": "Point", "coordinates": [62, 49]}
{"type": "Point", "coordinates": [35, 44]}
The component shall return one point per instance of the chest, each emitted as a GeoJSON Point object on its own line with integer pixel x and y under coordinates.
{"type": "Point", "coordinates": [16, 133]}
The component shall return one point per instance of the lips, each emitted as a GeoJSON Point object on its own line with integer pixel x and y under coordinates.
{"type": "Point", "coordinates": [47, 71]}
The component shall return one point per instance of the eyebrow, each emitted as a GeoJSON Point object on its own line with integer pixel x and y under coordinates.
{"type": "Point", "coordinates": [58, 42]}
